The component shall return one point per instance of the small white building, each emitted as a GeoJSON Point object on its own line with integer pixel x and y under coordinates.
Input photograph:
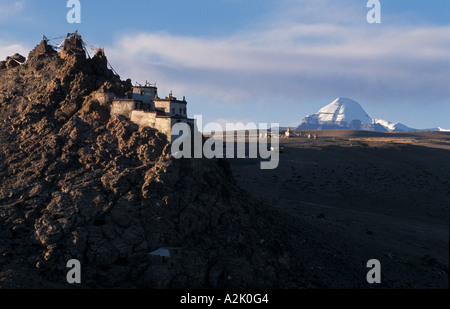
{"type": "Point", "coordinates": [288, 132]}
{"type": "Point", "coordinates": [143, 106]}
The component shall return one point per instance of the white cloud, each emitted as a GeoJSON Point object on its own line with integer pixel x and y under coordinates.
{"type": "Point", "coordinates": [321, 57]}
{"type": "Point", "coordinates": [9, 8]}
{"type": "Point", "coordinates": [9, 49]}
{"type": "Point", "coordinates": [301, 57]}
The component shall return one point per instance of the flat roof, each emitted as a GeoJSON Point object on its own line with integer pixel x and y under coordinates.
{"type": "Point", "coordinates": [145, 87]}
{"type": "Point", "coordinates": [169, 100]}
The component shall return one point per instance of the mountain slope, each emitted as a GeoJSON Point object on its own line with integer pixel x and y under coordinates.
{"type": "Point", "coordinates": [76, 183]}
{"type": "Point", "coordinates": [343, 110]}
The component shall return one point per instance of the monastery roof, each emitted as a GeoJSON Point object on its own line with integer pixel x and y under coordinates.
{"type": "Point", "coordinates": [169, 100]}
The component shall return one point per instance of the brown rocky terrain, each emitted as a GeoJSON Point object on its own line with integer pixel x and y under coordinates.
{"type": "Point", "coordinates": [358, 196]}
{"type": "Point", "coordinates": [76, 183]}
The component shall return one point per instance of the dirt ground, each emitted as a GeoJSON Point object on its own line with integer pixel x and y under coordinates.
{"type": "Point", "coordinates": [351, 196]}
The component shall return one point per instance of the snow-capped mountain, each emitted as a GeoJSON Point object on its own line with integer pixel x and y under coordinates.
{"type": "Point", "coordinates": [343, 110]}
{"type": "Point", "coordinates": [344, 113]}
{"type": "Point", "coordinates": [392, 126]}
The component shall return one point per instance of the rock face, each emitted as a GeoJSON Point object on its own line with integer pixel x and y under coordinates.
{"type": "Point", "coordinates": [12, 62]}
{"type": "Point", "coordinates": [41, 51]}
{"type": "Point", "coordinates": [76, 183]}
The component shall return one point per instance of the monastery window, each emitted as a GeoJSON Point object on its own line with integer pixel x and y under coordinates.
{"type": "Point", "coordinates": [173, 111]}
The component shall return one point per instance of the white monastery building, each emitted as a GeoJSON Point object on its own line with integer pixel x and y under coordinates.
{"type": "Point", "coordinates": [143, 107]}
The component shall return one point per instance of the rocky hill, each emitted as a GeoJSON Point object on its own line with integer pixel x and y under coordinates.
{"type": "Point", "coordinates": [76, 183]}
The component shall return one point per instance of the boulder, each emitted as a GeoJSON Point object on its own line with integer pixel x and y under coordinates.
{"type": "Point", "coordinates": [11, 63]}
{"type": "Point", "coordinates": [19, 58]}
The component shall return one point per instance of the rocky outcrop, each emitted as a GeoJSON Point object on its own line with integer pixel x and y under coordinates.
{"type": "Point", "coordinates": [77, 183]}
{"type": "Point", "coordinates": [73, 48]}
{"type": "Point", "coordinates": [41, 51]}
{"type": "Point", "coordinates": [12, 61]}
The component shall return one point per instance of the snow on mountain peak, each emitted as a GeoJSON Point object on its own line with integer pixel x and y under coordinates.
{"type": "Point", "coordinates": [343, 110]}
{"type": "Point", "coordinates": [345, 113]}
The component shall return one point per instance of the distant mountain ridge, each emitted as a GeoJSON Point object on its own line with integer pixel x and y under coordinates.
{"type": "Point", "coordinates": [345, 113]}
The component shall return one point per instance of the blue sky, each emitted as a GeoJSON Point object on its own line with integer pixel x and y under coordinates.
{"type": "Point", "coordinates": [263, 61]}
